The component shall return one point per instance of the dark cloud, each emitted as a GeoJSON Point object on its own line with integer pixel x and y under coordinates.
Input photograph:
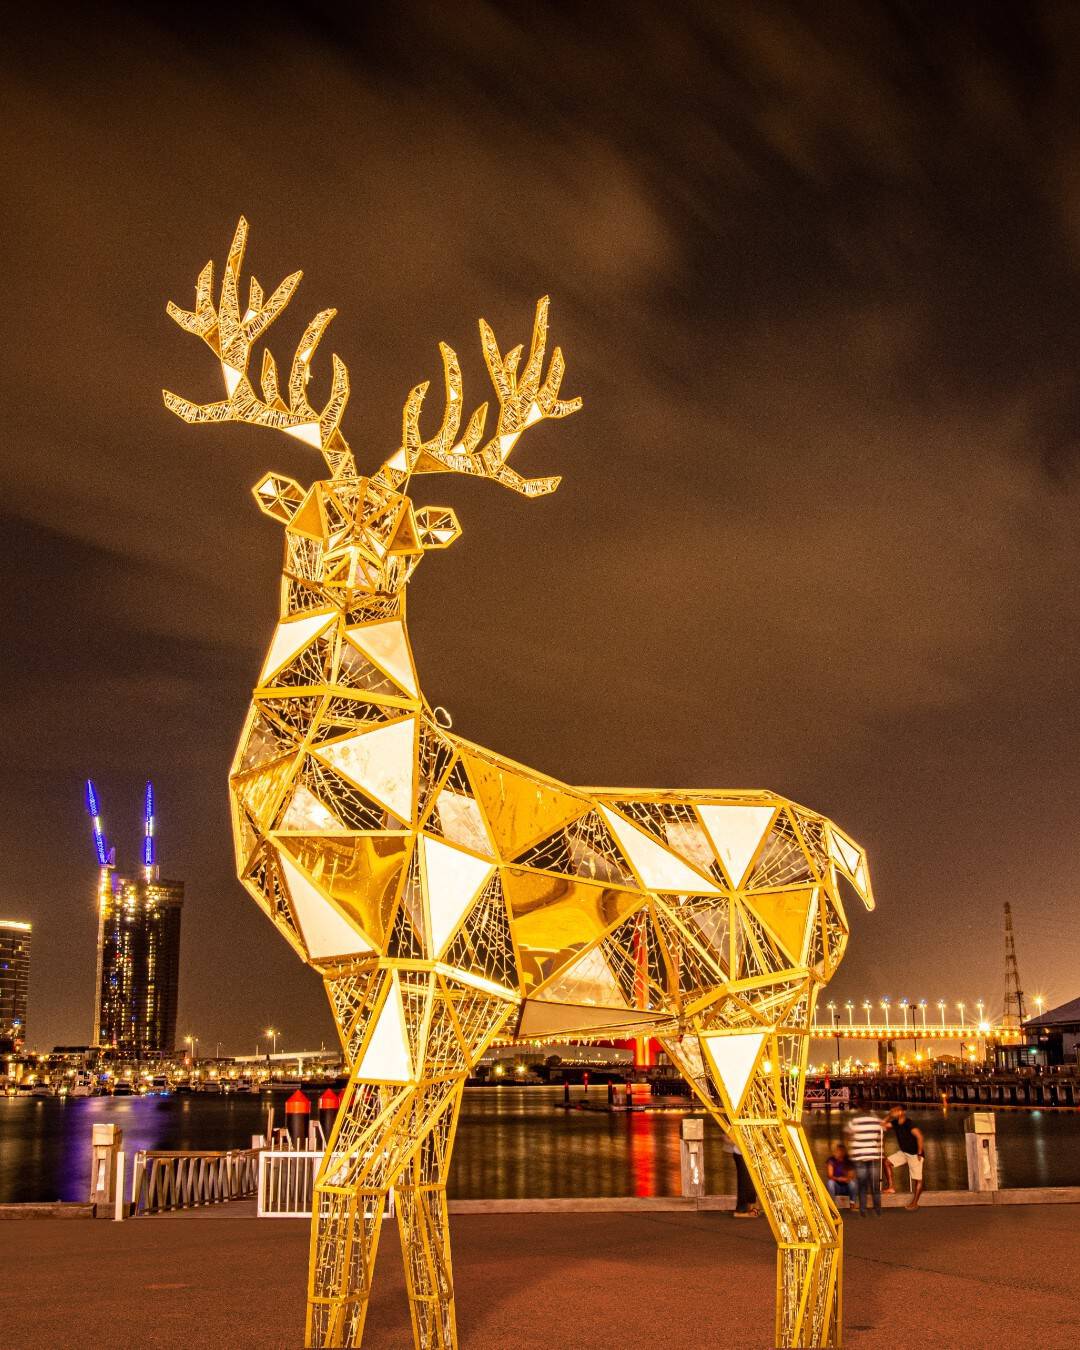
{"type": "Point", "coordinates": [816, 272]}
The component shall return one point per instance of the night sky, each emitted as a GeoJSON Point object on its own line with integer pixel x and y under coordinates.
{"type": "Point", "coordinates": [816, 271]}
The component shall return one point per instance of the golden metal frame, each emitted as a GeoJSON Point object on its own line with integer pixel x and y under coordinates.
{"type": "Point", "coordinates": [448, 895]}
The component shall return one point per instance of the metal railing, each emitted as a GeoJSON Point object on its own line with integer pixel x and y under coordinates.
{"type": "Point", "coordinates": [286, 1184]}
{"type": "Point", "coordinates": [185, 1179]}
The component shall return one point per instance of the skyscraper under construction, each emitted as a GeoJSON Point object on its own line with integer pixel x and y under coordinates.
{"type": "Point", "coordinates": [138, 948]}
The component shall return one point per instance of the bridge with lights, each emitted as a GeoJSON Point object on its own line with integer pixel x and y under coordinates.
{"type": "Point", "coordinates": [908, 1019]}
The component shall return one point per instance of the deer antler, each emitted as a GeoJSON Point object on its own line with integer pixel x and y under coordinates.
{"type": "Point", "coordinates": [230, 335]}
{"type": "Point", "coordinates": [523, 401]}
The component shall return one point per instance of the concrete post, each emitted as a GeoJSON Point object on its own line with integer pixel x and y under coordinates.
{"type": "Point", "coordinates": [118, 1214]}
{"type": "Point", "coordinates": [106, 1140]}
{"type": "Point", "coordinates": [980, 1139]}
{"type": "Point", "coordinates": [692, 1156]}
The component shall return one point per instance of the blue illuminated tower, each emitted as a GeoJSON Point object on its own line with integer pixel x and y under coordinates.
{"type": "Point", "coordinates": [138, 950]}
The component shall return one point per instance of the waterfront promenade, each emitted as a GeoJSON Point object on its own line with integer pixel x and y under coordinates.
{"type": "Point", "coordinates": [963, 1278]}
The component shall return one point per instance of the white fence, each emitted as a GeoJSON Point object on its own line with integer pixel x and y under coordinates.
{"type": "Point", "coordinates": [287, 1184]}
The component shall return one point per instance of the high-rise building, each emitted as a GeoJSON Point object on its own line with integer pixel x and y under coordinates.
{"type": "Point", "coordinates": [14, 982]}
{"type": "Point", "coordinates": [139, 938]}
{"type": "Point", "coordinates": [138, 948]}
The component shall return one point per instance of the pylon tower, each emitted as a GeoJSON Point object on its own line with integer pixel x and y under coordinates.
{"type": "Point", "coordinates": [1013, 1011]}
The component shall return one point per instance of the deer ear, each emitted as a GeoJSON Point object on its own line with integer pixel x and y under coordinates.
{"type": "Point", "coordinates": [437, 526]}
{"type": "Point", "coordinates": [278, 496]}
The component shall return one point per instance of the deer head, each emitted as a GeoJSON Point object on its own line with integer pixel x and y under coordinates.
{"type": "Point", "coordinates": [352, 537]}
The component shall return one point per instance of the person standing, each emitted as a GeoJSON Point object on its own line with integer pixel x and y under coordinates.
{"type": "Point", "coordinates": [746, 1201]}
{"type": "Point", "coordinates": [909, 1151]}
{"type": "Point", "coordinates": [867, 1133]}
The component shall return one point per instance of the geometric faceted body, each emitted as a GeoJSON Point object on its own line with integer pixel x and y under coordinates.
{"type": "Point", "coordinates": [448, 895]}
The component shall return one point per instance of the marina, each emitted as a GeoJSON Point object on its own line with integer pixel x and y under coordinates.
{"type": "Point", "coordinates": [513, 1143]}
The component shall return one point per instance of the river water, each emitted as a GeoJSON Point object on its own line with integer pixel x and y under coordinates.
{"type": "Point", "coordinates": [511, 1142]}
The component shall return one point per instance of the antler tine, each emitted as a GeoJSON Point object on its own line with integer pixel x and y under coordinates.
{"type": "Point", "coordinates": [523, 401]}
{"type": "Point", "coordinates": [231, 336]}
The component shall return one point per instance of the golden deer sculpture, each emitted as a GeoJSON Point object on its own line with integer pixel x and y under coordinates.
{"type": "Point", "coordinates": [448, 896]}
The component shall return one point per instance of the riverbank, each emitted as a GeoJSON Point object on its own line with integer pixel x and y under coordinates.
{"type": "Point", "coordinates": [959, 1278]}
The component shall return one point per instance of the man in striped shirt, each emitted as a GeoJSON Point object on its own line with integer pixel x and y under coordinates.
{"type": "Point", "coordinates": [867, 1132]}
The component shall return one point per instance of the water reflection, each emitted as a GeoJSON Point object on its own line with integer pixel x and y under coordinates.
{"type": "Point", "coordinates": [511, 1142]}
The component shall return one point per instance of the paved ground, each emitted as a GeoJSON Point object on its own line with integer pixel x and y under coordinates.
{"type": "Point", "coordinates": [965, 1279]}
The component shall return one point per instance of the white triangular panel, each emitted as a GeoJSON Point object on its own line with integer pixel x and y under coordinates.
{"type": "Point", "coordinates": [733, 1056]}
{"type": "Point", "coordinates": [380, 762]}
{"type": "Point", "coordinates": [308, 432]}
{"type": "Point", "coordinates": [460, 820]}
{"type": "Point", "coordinates": [232, 378]}
{"type": "Point", "coordinates": [589, 980]}
{"type": "Point", "coordinates": [387, 1058]}
{"type": "Point", "coordinates": [658, 869]}
{"type": "Point", "coordinates": [843, 853]}
{"type": "Point", "coordinates": [291, 637]}
{"type": "Point", "coordinates": [386, 644]}
{"type": "Point", "coordinates": [736, 832]}
{"type": "Point", "coordinates": [453, 880]}
{"type": "Point", "coordinates": [325, 932]}
{"type": "Point", "coordinates": [308, 815]}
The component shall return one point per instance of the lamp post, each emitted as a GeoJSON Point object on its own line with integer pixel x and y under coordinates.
{"type": "Point", "coordinates": [941, 1009]}
{"type": "Point", "coordinates": [867, 1005]}
{"type": "Point", "coordinates": [832, 1014]}
{"type": "Point", "coordinates": [922, 1009]}
{"type": "Point", "coordinates": [979, 1005]}
{"type": "Point", "coordinates": [960, 1005]}
{"type": "Point", "coordinates": [271, 1035]}
{"type": "Point", "coordinates": [885, 1009]}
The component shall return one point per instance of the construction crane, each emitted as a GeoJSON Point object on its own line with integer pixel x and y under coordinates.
{"type": "Point", "coordinates": [106, 858]}
{"type": "Point", "coordinates": [149, 864]}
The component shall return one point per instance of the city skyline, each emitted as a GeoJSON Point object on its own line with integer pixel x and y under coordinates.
{"type": "Point", "coordinates": [837, 295]}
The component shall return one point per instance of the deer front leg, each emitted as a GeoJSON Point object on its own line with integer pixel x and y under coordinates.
{"type": "Point", "coordinates": [425, 1232]}
{"type": "Point", "coordinates": [350, 1197]}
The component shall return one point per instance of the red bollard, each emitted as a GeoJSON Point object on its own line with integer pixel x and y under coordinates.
{"type": "Point", "coordinates": [328, 1109]}
{"type": "Point", "coordinates": [297, 1115]}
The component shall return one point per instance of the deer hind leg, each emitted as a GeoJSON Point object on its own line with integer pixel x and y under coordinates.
{"type": "Point", "coordinates": [423, 1223]}
{"type": "Point", "coordinates": [764, 1119]}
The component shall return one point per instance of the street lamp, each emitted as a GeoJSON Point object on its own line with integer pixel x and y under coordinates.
{"type": "Point", "coordinates": [867, 1005]}
{"type": "Point", "coordinates": [941, 1009]}
{"type": "Point", "coordinates": [960, 1005]}
{"type": "Point", "coordinates": [271, 1035]}
{"type": "Point", "coordinates": [832, 1014]}
{"type": "Point", "coordinates": [1039, 1001]}
{"type": "Point", "coordinates": [922, 1009]}
{"type": "Point", "coordinates": [979, 1005]}
{"type": "Point", "coordinates": [885, 1008]}
{"type": "Point", "coordinates": [193, 1049]}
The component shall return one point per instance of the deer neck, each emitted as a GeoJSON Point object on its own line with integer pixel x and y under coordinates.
{"type": "Point", "coordinates": [374, 634]}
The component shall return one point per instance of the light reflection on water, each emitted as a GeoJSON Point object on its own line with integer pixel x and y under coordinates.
{"type": "Point", "coordinates": [511, 1142]}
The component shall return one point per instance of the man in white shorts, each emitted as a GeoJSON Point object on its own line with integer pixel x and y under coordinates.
{"type": "Point", "coordinates": [909, 1140]}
